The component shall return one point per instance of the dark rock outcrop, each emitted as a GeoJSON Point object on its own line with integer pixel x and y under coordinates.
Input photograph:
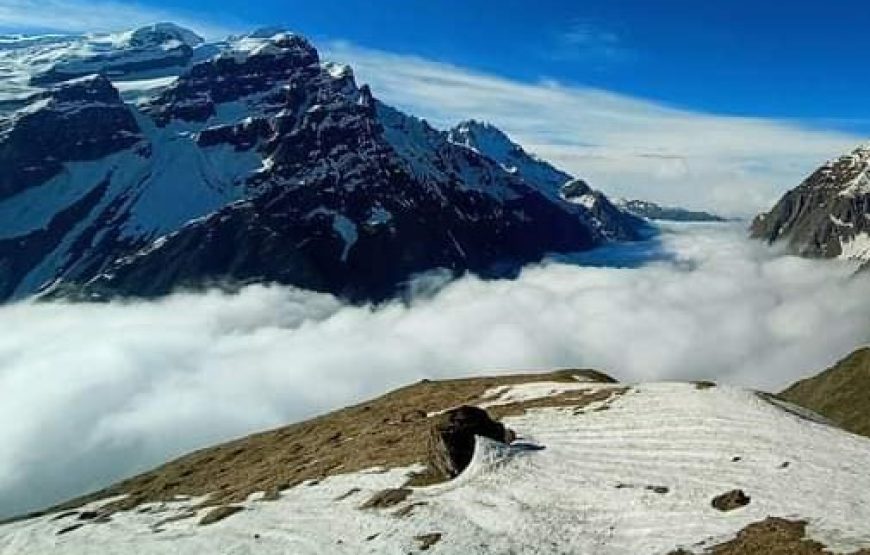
{"type": "Point", "coordinates": [730, 500]}
{"type": "Point", "coordinates": [451, 438]}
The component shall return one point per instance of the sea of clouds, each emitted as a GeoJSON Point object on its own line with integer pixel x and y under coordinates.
{"type": "Point", "coordinates": [90, 393]}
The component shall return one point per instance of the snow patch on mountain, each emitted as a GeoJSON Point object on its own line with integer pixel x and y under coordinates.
{"type": "Point", "coordinates": [856, 248]}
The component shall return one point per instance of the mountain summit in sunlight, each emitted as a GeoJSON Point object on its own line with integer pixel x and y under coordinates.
{"type": "Point", "coordinates": [140, 162]}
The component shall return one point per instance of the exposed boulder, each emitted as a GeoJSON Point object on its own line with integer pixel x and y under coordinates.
{"type": "Point", "coordinates": [428, 540]}
{"type": "Point", "coordinates": [731, 500]}
{"type": "Point", "coordinates": [451, 438]}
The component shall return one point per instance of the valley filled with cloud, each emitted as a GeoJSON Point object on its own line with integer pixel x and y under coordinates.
{"type": "Point", "coordinates": [93, 392]}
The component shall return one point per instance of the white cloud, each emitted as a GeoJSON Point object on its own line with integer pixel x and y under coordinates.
{"type": "Point", "coordinates": [91, 392]}
{"type": "Point", "coordinates": [97, 16]}
{"type": "Point", "coordinates": [623, 145]}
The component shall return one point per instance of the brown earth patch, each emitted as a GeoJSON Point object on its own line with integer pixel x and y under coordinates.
{"type": "Point", "coordinates": [389, 432]}
{"type": "Point", "coordinates": [774, 536]}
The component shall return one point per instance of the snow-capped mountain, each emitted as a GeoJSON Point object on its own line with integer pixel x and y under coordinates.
{"type": "Point", "coordinates": [577, 464]}
{"type": "Point", "coordinates": [28, 63]}
{"type": "Point", "coordinates": [180, 163]}
{"type": "Point", "coordinates": [828, 215]}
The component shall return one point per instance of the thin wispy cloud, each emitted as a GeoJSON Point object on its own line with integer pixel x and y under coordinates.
{"type": "Point", "coordinates": [623, 145]}
{"type": "Point", "coordinates": [590, 42]}
{"type": "Point", "coordinates": [79, 16]}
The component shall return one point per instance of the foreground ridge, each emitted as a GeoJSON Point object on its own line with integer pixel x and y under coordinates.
{"type": "Point", "coordinates": [596, 467]}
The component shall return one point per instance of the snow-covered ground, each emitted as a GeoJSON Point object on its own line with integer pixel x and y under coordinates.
{"type": "Point", "coordinates": [589, 490]}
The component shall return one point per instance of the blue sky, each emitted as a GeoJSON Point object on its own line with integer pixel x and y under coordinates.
{"type": "Point", "coordinates": [743, 57]}
{"type": "Point", "coordinates": [709, 104]}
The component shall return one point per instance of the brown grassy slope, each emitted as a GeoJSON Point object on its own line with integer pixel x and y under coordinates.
{"type": "Point", "coordinates": [389, 431]}
{"type": "Point", "coordinates": [841, 393]}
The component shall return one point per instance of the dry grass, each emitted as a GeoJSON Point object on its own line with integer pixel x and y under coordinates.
{"type": "Point", "coordinates": [774, 536]}
{"type": "Point", "coordinates": [389, 431]}
{"type": "Point", "coordinates": [841, 393]}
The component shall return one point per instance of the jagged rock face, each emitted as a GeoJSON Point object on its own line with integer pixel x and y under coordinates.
{"type": "Point", "coordinates": [826, 216]}
{"type": "Point", "coordinates": [492, 142]}
{"type": "Point", "coordinates": [337, 209]}
{"type": "Point", "coordinates": [80, 120]}
{"type": "Point", "coordinates": [262, 164]}
{"type": "Point", "coordinates": [286, 59]}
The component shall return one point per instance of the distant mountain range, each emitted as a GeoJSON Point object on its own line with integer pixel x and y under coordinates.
{"type": "Point", "coordinates": [653, 211]}
{"type": "Point", "coordinates": [140, 162]}
{"type": "Point", "coordinates": [826, 216]}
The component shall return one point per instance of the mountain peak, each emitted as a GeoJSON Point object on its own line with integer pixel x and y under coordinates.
{"type": "Point", "coordinates": [162, 33]}
{"type": "Point", "coordinates": [484, 137]}
{"type": "Point", "coordinates": [274, 42]}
